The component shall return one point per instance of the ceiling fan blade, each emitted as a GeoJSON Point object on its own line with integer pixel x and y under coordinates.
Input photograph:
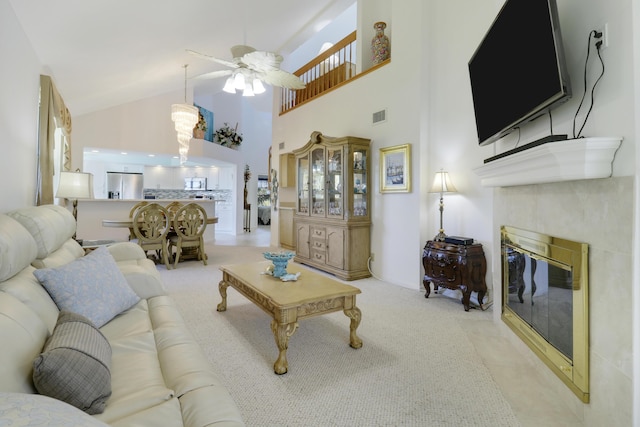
{"type": "Point", "coordinates": [239, 50]}
{"type": "Point", "coordinates": [262, 61]}
{"type": "Point", "coordinates": [213, 75]}
{"type": "Point", "coordinates": [282, 79]}
{"type": "Point", "coordinates": [211, 58]}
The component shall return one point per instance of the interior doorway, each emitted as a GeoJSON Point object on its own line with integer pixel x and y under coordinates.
{"type": "Point", "coordinates": [264, 202]}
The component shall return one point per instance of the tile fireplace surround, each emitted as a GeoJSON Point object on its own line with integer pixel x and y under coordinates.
{"type": "Point", "coordinates": [600, 213]}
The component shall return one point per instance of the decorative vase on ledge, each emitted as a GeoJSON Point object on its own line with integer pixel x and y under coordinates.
{"type": "Point", "coordinates": [380, 47]}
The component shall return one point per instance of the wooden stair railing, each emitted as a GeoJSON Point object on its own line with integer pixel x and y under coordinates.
{"type": "Point", "coordinates": [327, 71]}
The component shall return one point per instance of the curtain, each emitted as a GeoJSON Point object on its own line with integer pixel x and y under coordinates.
{"type": "Point", "coordinates": [53, 114]}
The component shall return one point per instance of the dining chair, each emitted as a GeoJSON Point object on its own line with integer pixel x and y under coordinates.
{"type": "Point", "coordinates": [151, 223]}
{"type": "Point", "coordinates": [173, 207]}
{"type": "Point", "coordinates": [189, 224]}
{"type": "Point", "coordinates": [132, 212]}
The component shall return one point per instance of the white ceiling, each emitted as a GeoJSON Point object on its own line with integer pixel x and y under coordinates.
{"type": "Point", "coordinates": [102, 53]}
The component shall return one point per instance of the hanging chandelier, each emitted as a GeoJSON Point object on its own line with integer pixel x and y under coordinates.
{"type": "Point", "coordinates": [185, 117]}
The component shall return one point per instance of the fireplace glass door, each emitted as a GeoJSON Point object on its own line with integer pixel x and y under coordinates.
{"type": "Point", "coordinates": [541, 293]}
{"type": "Point", "coordinates": [545, 301]}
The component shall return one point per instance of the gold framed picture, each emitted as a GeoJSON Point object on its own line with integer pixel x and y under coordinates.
{"type": "Point", "coordinates": [395, 169]}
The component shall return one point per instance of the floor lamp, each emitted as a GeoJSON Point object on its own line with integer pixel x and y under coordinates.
{"type": "Point", "coordinates": [73, 186]}
{"type": "Point", "coordinates": [442, 184]}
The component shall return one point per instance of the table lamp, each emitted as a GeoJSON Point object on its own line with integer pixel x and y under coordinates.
{"type": "Point", "coordinates": [73, 186]}
{"type": "Point", "coordinates": [442, 184]}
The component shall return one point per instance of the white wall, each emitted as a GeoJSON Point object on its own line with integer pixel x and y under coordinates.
{"type": "Point", "coordinates": [396, 240]}
{"type": "Point", "coordinates": [19, 86]}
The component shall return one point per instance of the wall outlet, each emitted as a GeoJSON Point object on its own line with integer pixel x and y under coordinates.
{"type": "Point", "coordinates": [604, 29]}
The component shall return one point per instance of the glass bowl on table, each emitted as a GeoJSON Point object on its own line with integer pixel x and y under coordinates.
{"type": "Point", "coordinates": [280, 261]}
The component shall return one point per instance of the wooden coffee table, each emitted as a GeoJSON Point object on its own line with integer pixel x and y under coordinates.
{"type": "Point", "coordinates": [287, 302]}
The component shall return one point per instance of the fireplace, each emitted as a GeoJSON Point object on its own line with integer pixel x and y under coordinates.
{"type": "Point", "coordinates": [545, 301]}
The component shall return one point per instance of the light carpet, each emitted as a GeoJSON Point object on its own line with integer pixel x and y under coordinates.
{"type": "Point", "coordinates": [417, 366]}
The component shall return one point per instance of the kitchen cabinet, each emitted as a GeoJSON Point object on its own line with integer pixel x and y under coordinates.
{"type": "Point", "coordinates": [226, 178]}
{"type": "Point", "coordinates": [159, 177]}
{"type": "Point", "coordinates": [213, 180]}
{"type": "Point", "coordinates": [332, 215]}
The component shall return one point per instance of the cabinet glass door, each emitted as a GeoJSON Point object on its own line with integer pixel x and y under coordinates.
{"type": "Point", "coordinates": [360, 208]}
{"type": "Point", "coordinates": [334, 180]}
{"type": "Point", "coordinates": [317, 182]}
{"type": "Point", "coordinates": [303, 184]}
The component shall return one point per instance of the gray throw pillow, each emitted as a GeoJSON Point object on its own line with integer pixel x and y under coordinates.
{"type": "Point", "coordinates": [75, 364]}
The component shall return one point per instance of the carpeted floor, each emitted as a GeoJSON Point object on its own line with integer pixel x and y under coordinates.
{"type": "Point", "coordinates": [417, 366]}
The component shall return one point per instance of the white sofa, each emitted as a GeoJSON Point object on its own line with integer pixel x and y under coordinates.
{"type": "Point", "coordinates": [159, 374]}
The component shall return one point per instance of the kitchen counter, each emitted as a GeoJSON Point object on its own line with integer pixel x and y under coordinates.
{"type": "Point", "coordinates": [91, 212]}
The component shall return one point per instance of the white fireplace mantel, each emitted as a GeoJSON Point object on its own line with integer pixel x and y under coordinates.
{"type": "Point", "coordinates": [568, 160]}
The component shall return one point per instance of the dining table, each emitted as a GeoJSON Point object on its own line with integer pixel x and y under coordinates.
{"type": "Point", "coordinates": [128, 223]}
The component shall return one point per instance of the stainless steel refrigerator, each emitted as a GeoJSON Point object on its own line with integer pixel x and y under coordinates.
{"type": "Point", "coordinates": [124, 185]}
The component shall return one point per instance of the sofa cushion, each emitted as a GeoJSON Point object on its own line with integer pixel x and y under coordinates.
{"type": "Point", "coordinates": [91, 286]}
{"type": "Point", "coordinates": [75, 365]}
{"type": "Point", "coordinates": [67, 252]}
{"type": "Point", "coordinates": [22, 334]}
{"type": "Point", "coordinates": [17, 247]}
{"type": "Point", "coordinates": [20, 409]}
{"type": "Point", "coordinates": [50, 226]}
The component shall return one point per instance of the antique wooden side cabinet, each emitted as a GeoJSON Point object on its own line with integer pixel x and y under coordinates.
{"type": "Point", "coordinates": [455, 266]}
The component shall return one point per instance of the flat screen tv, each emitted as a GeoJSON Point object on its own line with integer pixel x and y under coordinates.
{"type": "Point", "coordinates": [518, 71]}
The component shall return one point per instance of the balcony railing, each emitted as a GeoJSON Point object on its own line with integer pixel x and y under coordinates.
{"type": "Point", "coordinates": [328, 71]}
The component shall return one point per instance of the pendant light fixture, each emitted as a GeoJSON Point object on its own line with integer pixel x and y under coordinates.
{"type": "Point", "coordinates": [185, 117]}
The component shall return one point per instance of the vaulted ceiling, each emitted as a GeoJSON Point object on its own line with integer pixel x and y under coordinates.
{"type": "Point", "coordinates": [103, 53]}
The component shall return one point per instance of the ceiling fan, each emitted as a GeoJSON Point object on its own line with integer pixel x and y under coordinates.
{"type": "Point", "coordinates": [250, 68]}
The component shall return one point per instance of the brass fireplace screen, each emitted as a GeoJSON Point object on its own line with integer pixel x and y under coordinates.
{"type": "Point", "coordinates": [546, 301]}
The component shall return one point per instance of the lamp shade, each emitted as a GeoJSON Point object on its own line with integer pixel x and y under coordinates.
{"type": "Point", "coordinates": [442, 183]}
{"type": "Point", "coordinates": [75, 185]}
{"type": "Point", "coordinates": [258, 87]}
{"type": "Point", "coordinates": [229, 85]}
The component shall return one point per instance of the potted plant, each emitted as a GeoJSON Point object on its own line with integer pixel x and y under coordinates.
{"type": "Point", "coordinates": [227, 136]}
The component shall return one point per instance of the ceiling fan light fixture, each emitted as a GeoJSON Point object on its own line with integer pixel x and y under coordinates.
{"type": "Point", "coordinates": [229, 86]}
{"type": "Point", "coordinates": [258, 87]}
{"type": "Point", "coordinates": [239, 81]}
{"type": "Point", "coordinates": [248, 90]}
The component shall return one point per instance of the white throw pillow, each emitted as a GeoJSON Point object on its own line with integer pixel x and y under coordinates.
{"type": "Point", "coordinates": [92, 286]}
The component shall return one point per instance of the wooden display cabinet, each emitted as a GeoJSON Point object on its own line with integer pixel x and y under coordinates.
{"type": "Point", "coordinates": [332, 217]}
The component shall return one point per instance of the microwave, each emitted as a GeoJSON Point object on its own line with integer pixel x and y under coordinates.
{"type": "Point", "coordinates": [195, 183]}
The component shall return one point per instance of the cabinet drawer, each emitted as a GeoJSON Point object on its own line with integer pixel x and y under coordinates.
{"type": "Point", "coordinates": [319, 233]}
{"type": "Point", "coordinates": [319, 245]}
{"type": "Point", "coordinates": [318, 256]}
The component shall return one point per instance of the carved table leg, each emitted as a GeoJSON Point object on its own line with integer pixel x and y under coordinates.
{"type": "Point", "coordinates": [222, 286]}
{"type": "Point", "coordinates": [480, 299]}
{"type": "Point", "coordinates": [355, 315]}
{"type": "Point", "coordinates": [427, 287]}
{"type": "Point", "coordinates": [466, 296]}
{"type": "Point", "coordinates": [282, 333]}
